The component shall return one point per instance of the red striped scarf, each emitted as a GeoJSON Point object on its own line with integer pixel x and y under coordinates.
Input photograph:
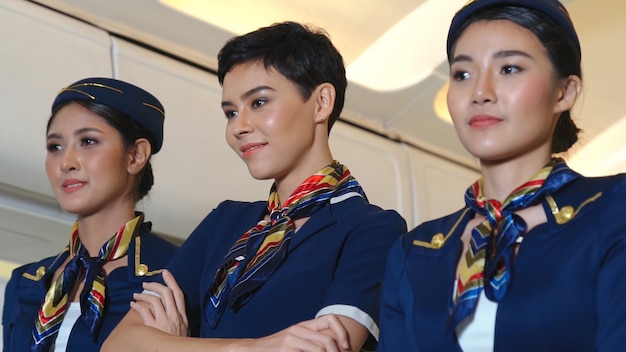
{"type": "Point", "coordinates": [93, 296]}
{"type": "Point", "coordinates": [260, 251]}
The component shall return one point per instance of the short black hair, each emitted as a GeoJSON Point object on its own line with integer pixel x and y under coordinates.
{"type": "Point", "coordinates": [303, 54]}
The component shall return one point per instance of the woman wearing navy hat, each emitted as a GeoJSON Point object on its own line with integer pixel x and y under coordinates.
{"type": "Point", "coordinates": [256, 274]}
{"type": "Point", "coordinates": [99, 140]}
{"type": "Point", "coordinates": [537, 258]}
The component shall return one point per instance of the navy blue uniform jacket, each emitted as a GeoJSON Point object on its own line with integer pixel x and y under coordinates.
{"type": "Point", "coordinates": [569, 287]}
{"type": "Point", "coordinates": [147, 256]}
{"type": "Point", "coordinates": [336, 258]}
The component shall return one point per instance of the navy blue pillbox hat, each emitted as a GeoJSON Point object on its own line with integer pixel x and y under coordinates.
{"type": "Point", "coordinates": [551, 8]}
{"type": "Point", "coordinates": [136, 103]}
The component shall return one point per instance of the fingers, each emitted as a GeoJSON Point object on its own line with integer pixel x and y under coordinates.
{"type": "Point", "coordinates": [144, 311]}
{"type": "Point", "coordinates": [179, 297]}
{"type": "Point", "coordinates": [296, 338]}
{"type": "Point", "coordinates": [332, 323]}
{"type": "Point", "coordinates": [148, 305]}
{"type": "Point", "coordinates": [164, 298]}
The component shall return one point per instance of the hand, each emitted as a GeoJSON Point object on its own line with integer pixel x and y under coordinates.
{"type": "Point", "coordinates": [162, 307]}
{"type": "Point", "coordinates": [305, 336]}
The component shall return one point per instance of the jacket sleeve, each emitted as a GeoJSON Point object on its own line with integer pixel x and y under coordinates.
{"type": "Point", "coordinates": [395, 310]}
{"type": "Point", "coordinates": [9, 310]}
{"type": "Point", "coordinates": [611, 287]}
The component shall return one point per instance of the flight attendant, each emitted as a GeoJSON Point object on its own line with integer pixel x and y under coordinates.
{"type": "Point", "coordinates": [535, 260]}
{"type": "Point", "coordinates": [256, 275]}
{"type": "Point", "coordinates": [99, 141]}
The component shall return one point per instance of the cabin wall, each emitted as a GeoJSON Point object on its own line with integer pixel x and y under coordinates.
{"type": "Point", "coordinates": [42, 51]}
{"type": "Point", "coordinates": [196, 169]}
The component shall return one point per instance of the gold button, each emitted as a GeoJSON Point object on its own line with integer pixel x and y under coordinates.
{"type": "Point", "coordinates": [142, 269]}
{"type": "Point", "coordinates": [437, 240]}
{"type": "Point", "coordinates": [41, 271]}
{"type": "Point", "coordinates": [564, 215]}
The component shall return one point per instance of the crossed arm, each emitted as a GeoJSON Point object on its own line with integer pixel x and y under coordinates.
{"type": "Point", "coordinates": [159, 323]}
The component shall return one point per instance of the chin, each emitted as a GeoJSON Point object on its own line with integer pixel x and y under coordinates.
{"type": "Point", "coordinates": [258, 174]}
{"type": "Point", "coordinates": [74, 208]}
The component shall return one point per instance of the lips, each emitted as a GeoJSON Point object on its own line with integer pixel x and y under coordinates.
{"type": "Point", "coordinates": [73, 185]}
{"type": "Point", "coordinates": [251, 148]}
{"type": "Point", "coordinates": [480, 121]}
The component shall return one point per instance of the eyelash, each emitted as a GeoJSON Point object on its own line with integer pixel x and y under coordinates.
{"type": "Point", "coordinates": [53, 147]}
{"type": "Point", "coordinates": [511, 68]}
{"type": "Point", "coordinates": [86, 141]}
{"type": "Point", "coordinates": [507, 70]}
{"type": "Point", "coordinates": [460, 75]}
{"type": "Point", "coordinates": [230, 114]}
{"type": "Point", "coordinates": [256, 103]}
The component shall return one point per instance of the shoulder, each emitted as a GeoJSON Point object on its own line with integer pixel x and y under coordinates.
{"type": "Point", "coordinates": [585, 187]}
{"type": "Point", "coordinates": [239, 206]}
{"type": "Point", "coordinates": [587, 195]}
{"type": "Point", "coordinates": [150, 242]}
{"type": "Point", "coordinates": [26, 287]}
{"type": "Point", "coordinates": [356, 210]}
{"type": "Point", "coordinates": [235, 209]}
{"type": "Point", "coordinates": [435, 233]}
{"type": "Point", "coordinates": [148, 254]}
{"type": "Point", "coordinates": [35, 271]}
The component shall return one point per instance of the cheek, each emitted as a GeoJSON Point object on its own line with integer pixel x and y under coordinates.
{"type": "Point", "coordinates": [230, 138]}
{"type": "Point", "coordinates": [453, 101]}
{"type": "Point", "coordinates": [50, 166]}
{"type": "Point", "coordinates": [111, 160]}
{"type": "Point", "coordinates": [530, 95]}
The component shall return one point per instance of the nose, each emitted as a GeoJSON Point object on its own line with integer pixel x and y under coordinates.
{"type": "Point", "coordinates": [240, 125]}
{"type": "Point", "coordinates": [69, 160]}
{"type": "Point", "coordinates": [484, 90]}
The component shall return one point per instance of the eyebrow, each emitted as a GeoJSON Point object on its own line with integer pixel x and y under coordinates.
{"type": "Point", "coordinates": [77, 132]}
{"type": "Point", "coordinates": [499, 55]}
{"type": "Point", "coordinates": [248, 93]}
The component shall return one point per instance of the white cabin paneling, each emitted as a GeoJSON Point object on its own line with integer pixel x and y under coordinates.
{"type": "Point", "coordinates": [379, 164]}
{"type": "Point", "coordinates": [438, 185]}
{"type": "Point", "coordinates": [196, 169]}
{"type": "Point", "coordinates": [40, 52]}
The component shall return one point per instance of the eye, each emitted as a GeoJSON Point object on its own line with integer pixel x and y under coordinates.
{"type": "Point", "coordinates": [510, 69]}
{"type": "Point", "coordinates": [230, 114]}
{"type": "Point", "coordinates": [86, 141]}
{"type": "Point", "coordinates": [53, 147]}
{"type": "Point", "coordinates": [460, 75]}
{"type": "Point", "coordinates": [257, 103]}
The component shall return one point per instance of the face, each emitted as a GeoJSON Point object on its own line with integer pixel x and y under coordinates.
{"type": "Point", "coordinates": [86, 162]}
{"type": "Point", "coordinates": [504, 97]}
{"type": "Point", "coordinates": [270, 125]}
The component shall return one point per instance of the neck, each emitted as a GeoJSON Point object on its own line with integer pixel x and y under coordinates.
{"type": "Point", "coordinates": [502, 177]}
{"type": "Point", "coordinates": [96, 229]}
{"type": "Point", "coordinates": [309, 165]}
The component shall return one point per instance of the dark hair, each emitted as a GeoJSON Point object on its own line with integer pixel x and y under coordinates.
{"type": "Point", "coordinates": [129, 131]}
{"type": "Point", "coordinates": [561, 49]}
{"type": "Point", "coordinates": [304, 55]}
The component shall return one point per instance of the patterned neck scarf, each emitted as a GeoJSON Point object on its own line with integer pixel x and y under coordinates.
{"type": "Point", "coordinates": [260, 251]}
{"type": "Point", "coordinates": [492, 248]}
{"type": "Point", "coordinates": [92, 298]}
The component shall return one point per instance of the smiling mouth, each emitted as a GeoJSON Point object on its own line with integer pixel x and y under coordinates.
{"type": "Point", "coordinates": [251, 149]}
{"type": "Point", "coordinates": [73, 186]}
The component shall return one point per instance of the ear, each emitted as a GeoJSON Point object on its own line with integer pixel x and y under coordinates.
{"type": "Point", "coordinates": [568, 92]}
{"type": "Point", "coordinates": [325, 102]}
{"type": "Point", "coordinates": [139, 156]}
